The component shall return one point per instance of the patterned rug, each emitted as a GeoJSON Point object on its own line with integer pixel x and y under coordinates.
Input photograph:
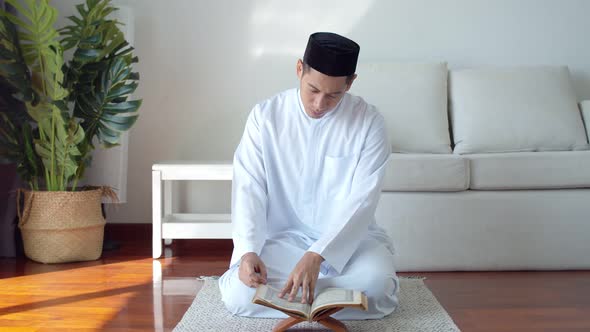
{"type": "Point", "coordinates": [418, 311]}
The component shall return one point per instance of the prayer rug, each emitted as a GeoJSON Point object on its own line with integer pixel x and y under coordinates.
{"type": "Point", "coordinates": [418, 311]}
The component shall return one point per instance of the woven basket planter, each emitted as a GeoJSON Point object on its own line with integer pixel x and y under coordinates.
{"type": "Point", "coordinates": [63, 226]}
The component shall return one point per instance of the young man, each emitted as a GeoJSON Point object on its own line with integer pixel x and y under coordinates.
{"type": "Point", "coordinates": [307, 178]}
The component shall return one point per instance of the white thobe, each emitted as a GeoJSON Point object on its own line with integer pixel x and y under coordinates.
{"type": "Point", "coordinates": [303, 184]}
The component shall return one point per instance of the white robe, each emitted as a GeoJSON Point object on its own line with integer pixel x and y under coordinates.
{"type": "Point", "coordinates": [303, 184]}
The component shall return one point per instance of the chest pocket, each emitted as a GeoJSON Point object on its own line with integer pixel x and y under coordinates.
{"type": "Point", "coordinates": [336, 178]}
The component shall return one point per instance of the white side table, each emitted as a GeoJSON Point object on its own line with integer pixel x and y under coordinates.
{"type": "Point", "coordinates": [168, 225]}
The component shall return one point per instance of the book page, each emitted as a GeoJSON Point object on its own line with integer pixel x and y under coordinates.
{"type": "Point", "coordinates": [336, 296]}
{"type": "Point", "coordinates": [271, 295]}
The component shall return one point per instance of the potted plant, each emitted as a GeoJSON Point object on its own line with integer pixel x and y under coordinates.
{"type": "Point", "coordinates": [54, 113]}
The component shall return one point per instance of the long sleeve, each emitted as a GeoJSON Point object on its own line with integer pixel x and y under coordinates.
{"type": "Point", "coordinates": [249, 191]}
{"type": "Point", "coordinates": [349, 221]}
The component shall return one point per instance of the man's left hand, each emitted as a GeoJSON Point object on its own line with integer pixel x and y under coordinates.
{"type": "Point", "coordinates": [304, 275]}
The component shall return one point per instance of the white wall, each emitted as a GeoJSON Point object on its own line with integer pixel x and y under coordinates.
{"type": "Point", "coordinates": [204, 64]}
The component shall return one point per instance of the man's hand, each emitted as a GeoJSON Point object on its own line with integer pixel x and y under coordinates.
{"type": "Point", "coordinates": [252, 270]}
{"type": "Point", "coordinates": [304, 275]}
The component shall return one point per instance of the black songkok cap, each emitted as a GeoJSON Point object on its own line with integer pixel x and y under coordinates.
{"type": "Point", "coordinates": [331, 54]}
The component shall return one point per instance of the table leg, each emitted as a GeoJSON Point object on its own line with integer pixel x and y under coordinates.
{"type": "Point", "coordinates": [167, 204]}
{"type": "Point", "coordinates": [157, 214]}
{"type": "Point", "coordinates": [158, 296]}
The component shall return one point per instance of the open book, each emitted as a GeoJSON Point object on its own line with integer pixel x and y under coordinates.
{"type": "Point", "coordinates": [326, 302]}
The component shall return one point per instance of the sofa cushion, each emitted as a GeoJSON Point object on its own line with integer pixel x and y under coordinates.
{"type": "Point", "coordinates": [413, 99]}
{"type": "Point", "coordinates": [426, 172]}
{"type": "Point", "coordinates": [530, 170]}
{"type": "Point", "coordinates": [515, 109]}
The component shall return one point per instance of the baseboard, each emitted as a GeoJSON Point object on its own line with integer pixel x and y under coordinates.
{"type": "Point", "coordinates": [128, 232]}
{"type": "Point", "coordinates": [142, 233]}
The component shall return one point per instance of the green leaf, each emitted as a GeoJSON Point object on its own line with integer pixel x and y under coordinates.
{"type": "Point", "coordinates": [81, 10]}
{"type": "Point", "coordinates": [92, 39]}
{"type": "Point", "coordinates": [134, 76]}
{"type": "Point", "coordinates": [119, 123]}
{"type": "Point", "coordinates": [6, 54]}
{"type": "Point", "coordinates": [108, 135]}
{"type": "Point", "coordinates": [15, 78]}
{"type": "Point", "coordinates": [106, 111]}
{"type": "Point", "coordinates": [124, 107]}
{"type": "Point", "coordinates": [122, 91]}
{"type": "Point", "coordinates": [88, 29]}
{"type": "Point", "coordinates": [60, 154]}
{"type": "Point", "coordinates": [41, 52]}
{"type": "Point", "coordinates": [86, 55]}
{"type": "Point", "coordinates": [76, 20]}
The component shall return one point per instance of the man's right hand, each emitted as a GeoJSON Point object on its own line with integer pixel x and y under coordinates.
{"type": "Point", "coordinates": [252, 270]}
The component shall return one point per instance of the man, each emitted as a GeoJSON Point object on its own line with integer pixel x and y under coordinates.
{"type": "Point", "coordinates": [307, 178]}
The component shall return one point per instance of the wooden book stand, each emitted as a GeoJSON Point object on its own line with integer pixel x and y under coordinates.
{"type": "Point", "coordinates": [324, 319]}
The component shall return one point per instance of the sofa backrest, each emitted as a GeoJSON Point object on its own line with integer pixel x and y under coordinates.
{"type": "Point", "coordinates": [413, 99]}
{"type": "Point", "coordinates": [511, 109]}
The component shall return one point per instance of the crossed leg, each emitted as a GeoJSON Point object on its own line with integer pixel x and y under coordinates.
{"type": "Point", "coordinates": [370, 270]}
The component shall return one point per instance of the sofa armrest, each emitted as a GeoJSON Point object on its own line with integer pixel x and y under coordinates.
{"type": "Point", "coordinates": [585, 109]}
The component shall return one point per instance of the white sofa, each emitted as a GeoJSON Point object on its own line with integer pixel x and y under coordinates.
{"type": "Point", "coordinates": [490, 167]}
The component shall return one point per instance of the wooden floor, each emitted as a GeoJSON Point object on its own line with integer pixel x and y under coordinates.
{"type": "Point", "coordinates": [128, 291]}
